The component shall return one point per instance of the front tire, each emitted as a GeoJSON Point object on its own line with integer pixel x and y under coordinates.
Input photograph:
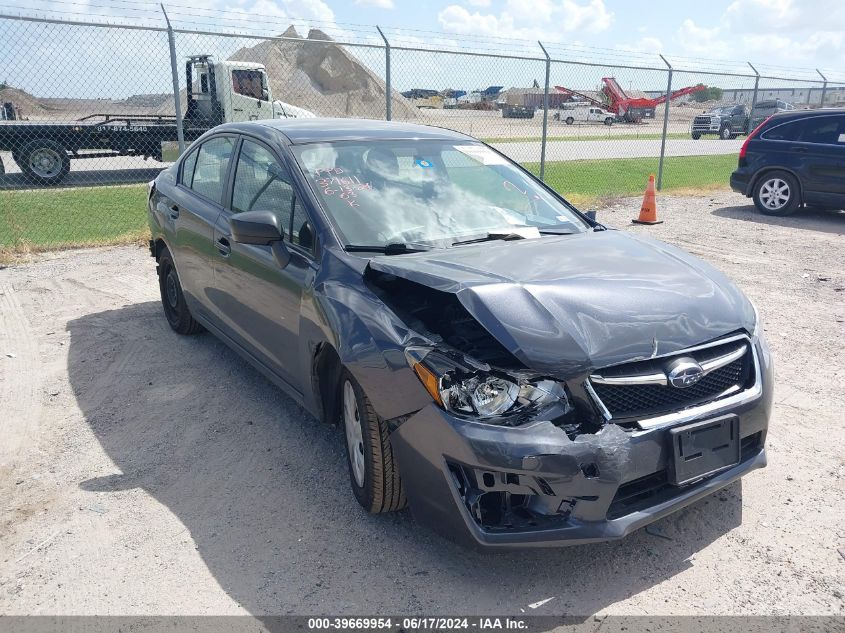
{"type": "Point", "coordinates": [725, 133]}
{"type": "Point", "coordinates": [44, 162]}
{"type": "Point", "coordinates": [777, 193]}
{"type": "Point", "coordinates": [696, 136]}
{"type": "Point", "coordinates": [608, 121]}
{"type": "Point", "coordinates": [570, 120]}
{"type": "Point", "coordinates": [372, 469]}
{"type": "Point", "coordinates": [173, 299]}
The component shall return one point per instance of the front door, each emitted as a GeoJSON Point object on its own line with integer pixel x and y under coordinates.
{"type": "Point", "coordinates": [258, 301]}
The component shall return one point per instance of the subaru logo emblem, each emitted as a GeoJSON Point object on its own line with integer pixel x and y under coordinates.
{"type": "Point", "coordinates": [684, 372]}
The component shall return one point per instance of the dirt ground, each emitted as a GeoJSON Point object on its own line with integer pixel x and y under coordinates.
{"type": "Point", "coordinates": [146, 473]}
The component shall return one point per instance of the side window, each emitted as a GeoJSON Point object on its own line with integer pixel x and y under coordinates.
{"type": "Point", "coordinates": [212, 166]}
{"type": "Point", "coordinates": [188, 168]}
{"type": "Point", "coordinates": [261, 183]}
{"type": "Point", "coordinates": [824, 129]}
{"type": "Point", "coordinates": [301, 229]}
{"type": "Point", "coordinates": [785, 132]}
{"type": "Point", "coordinates": [248, 83]}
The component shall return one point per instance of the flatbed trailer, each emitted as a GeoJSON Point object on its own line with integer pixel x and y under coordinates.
{"type": "Point", "coordinates": [43, 149]}
{"type": "Point", "coordinates": [223, 92]}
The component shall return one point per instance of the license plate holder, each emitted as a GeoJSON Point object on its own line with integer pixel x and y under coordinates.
{"type": "Point", "coordinates": [703, 448]}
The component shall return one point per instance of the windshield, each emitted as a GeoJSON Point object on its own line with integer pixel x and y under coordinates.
{"type": "Point", "coordinates": [426, 193]}
{"type": "Point", "coordinates": [725, 110]}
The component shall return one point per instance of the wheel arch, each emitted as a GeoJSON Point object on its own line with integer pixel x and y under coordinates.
{"type": "Point", "coordinates": [766, 170]}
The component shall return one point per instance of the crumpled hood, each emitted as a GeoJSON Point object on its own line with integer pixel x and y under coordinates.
{"type": "Point", "coordinates": [569, 304]}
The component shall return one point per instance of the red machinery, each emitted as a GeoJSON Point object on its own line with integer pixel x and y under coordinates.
{"type": "Point", "coordinates": [635, 109]}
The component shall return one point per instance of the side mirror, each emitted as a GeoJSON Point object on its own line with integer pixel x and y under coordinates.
{"type": "Point", "coordinates": [260, 228]}
{"type": "Point", "coordinates": [590, 215]}
{"type": "Point", "coordinates": [265, 94]}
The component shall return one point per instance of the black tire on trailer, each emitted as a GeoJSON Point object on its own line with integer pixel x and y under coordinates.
{"type": "Point", "coordinates": [777, 193]}
{"type": "Point", "coordinates": [44, 162]}
{"type": "Point", "coordinates": [172, 298]}
{"type": "Point", "coordinates": [373, 472]}
{"type": "Point", "coordinates": [570, 120]}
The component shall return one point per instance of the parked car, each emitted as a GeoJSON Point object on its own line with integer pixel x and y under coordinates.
{"type": "Point", "coordinates": [516, 372]}
{"type": "Point", "coordinates": [569, 113]}
{"type": "Point", "coordinates": [735, 120]}
{"type": "Point", "coordinates": [794, 158]}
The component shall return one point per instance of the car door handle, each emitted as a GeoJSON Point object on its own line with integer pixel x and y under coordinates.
{"type": "Point", "coordinates": [174, 212]}
{"type": "Point", "coordinates": [223, 247]}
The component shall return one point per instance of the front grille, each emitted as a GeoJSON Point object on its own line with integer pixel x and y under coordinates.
{"type": "Point", "coordinates": [701, 120]}
{"type": "Point", "coordinates": [640, 401]}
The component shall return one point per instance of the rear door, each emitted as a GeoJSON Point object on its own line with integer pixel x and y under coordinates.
{"type": "Point", "coordinates": [257, 301]}
{"type": "Point", "coordinates": [190, 213]}
{"type": "Point", "coordinates": [823, 143]}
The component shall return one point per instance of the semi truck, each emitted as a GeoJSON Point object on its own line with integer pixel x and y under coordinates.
{"type": "Point", "coordinates": [216, 92]}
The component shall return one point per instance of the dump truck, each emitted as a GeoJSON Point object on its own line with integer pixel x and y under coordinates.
{"type": "Point", "coordinates": [217, 92]}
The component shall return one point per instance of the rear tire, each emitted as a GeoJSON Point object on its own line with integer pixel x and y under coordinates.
{"type": "Point", "coordinates": [570, 120]}
{"type": "Point", "coordinates": [173, 299]}
{"type": "Point", "coordinates": [608, 121]}
{"type": "Point", "coordinates": [373, 473]}
{"type": "Point", "coordinates": [44, 162]}
{"type": "Point", "coordinates": [777, 193]}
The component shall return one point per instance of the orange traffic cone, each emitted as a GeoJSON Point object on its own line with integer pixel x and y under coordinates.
{"type": "Point", "coordinates": [648, 212]}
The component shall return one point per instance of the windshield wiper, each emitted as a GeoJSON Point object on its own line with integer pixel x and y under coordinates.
{"type": "Point", "coordinates": [491, 237]}
{"type": "Point", "coordinates": [556, 231]}
{"type": "Point", "coordinates": [397, 248]}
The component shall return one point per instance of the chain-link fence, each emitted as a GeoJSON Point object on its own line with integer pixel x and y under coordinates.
{"type": "Point", "coordinates": [92, 111]}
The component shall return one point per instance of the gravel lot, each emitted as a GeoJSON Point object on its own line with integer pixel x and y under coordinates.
{"type": "Point", "coordinates": [146, 473]}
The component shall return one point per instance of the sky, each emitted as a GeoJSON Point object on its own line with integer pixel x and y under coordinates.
{"type": "Point", "coordinates": [780, 37]}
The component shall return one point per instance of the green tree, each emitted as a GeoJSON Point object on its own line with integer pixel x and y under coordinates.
{"type": "Point", "coordinates": [711, 93]}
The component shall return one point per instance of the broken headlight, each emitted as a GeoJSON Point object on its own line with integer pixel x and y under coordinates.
{"type": "Point", "coordinates": [463, 385]}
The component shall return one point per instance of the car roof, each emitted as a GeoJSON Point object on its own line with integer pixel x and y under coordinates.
{"type": "Point", "coordinates": [788, 115]}
{"type": "Point", "coordinates": [320, 130]}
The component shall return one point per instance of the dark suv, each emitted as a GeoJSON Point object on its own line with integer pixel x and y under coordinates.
{"type": "Point", "coordinates": [793, 158]}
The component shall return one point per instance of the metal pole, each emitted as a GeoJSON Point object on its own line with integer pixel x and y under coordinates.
{"type": "Point", "coordinates": [665, 125]}
{"type": "Point", "coordinates": [174, 72]}
{"type": "Point", "coordinates": [388, 93]}
{"type": "Point", "coordinates": [824, 87]}
{"type": "Point", "coordinates": [545, 113]}
{"type": "Point", "coordinates": [756, 86]}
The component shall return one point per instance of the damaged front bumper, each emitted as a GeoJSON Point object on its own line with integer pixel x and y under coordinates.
{"type": "Point", "coordinates": [497, 487]}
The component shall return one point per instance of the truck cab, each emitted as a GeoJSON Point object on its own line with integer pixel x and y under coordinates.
{"type": "Point", "coordinates": [231, 92]}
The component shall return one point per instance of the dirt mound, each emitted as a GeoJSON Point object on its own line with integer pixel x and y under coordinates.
{"type": "Point", "coordinates": [323, 77]}
{"type": "Point", "coordinates": [24, 103]}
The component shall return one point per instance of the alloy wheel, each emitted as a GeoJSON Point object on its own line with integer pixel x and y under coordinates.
{"type": "Point", "coordinates": [775, 193]}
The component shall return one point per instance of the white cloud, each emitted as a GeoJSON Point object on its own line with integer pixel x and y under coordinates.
{"type": "Point", "coordinates": [379, 4]}
{"type": "Point", "coordinates": [780, 32]}
{"type": "Point", "coordinates": [529, 19]}
{"type": "Point", "coordinates": [479, 3]}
